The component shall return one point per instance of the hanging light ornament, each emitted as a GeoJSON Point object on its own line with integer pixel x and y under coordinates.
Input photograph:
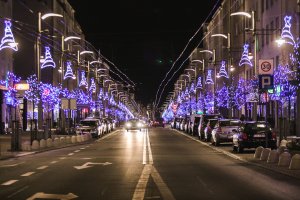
{"type": "Point", "coordinates": [192, 88]}
{"type": "Point", "coordinates": [8, 41]}
{"type": "Point", "coordinates": [286, 31]}
{"type": "Point", "coordinates": [101, 94]}
{"type": "Point", "coordinates": [83, 81]}
{"type": "Point", "coordinates": [69, 72]}
{"type": "Point", "coordinates": [209, 78]}
{"type": "Point", "coordinates": [93, 85]}
{"type": "Point", "coordinates": [199, 83]}
{"type": "Point", "coordinates": [223, 72]}
{"type": "Point", "coordinates": [48, 62]}
{"type": "Point", "coordinates": [245, 57]}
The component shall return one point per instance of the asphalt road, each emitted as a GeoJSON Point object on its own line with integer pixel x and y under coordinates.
{"type": "Point", "coordinates": [152, 164]}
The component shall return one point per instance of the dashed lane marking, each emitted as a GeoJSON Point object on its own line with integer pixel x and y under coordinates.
{"type": "Point", "coordinates": [70, 154]}
{"type": "Point", "coordinates": [76, 151]}
{"type": "Point", "coordinates": [53, 162]}
{"type": "Point", "coordinates": [28, 174]}
{"type": "Point", "coordinates": [62, 158]}
{"type": "Point", "coordinates": [42, 167]}
{"type": "Point", "coordinates": [10, 182]}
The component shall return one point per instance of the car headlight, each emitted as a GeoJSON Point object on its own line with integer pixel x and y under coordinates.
{"type": "Point", "coordinates": [139, 124]}
{"type": "Point", "coordinates": [128, 124]}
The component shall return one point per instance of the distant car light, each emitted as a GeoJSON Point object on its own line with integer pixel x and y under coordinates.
{"type": "Point", "coordinates": [128, 124]}
{"type": "Point", "coordinates": [139, 124]}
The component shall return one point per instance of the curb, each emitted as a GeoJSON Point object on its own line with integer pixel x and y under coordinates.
{"type": "Point", "coordinates": [237, 157]}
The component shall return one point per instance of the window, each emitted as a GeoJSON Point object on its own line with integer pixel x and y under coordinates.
{"type": "Point", "coordinates": [262, 37]}
{"type": "Point", "coordinates": [262, 6]}
{"type": "Point", "coordinates": [267, 4]}
{"type": "Point", "coordinates": [272, 31]}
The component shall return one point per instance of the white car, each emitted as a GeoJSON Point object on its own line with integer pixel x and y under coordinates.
{"type": "Point", "coordinates": [90, 125]}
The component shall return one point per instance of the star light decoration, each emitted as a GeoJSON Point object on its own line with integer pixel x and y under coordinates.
{"type": "Point", "coordinates": [199, 83]}
{"type": "Point", "coordinates": [223, 72]}
{"type": "Point", "coordinates": [8, 41]}
{"type": "Point", "coordinates": [245, 57]}
{"type": "Point", "coordinates": [209, 80]}
{"type": "Point", "coordinates": [83, 81]}
{"type": "Point", "coordinates": [69, 72]}
{"type": "Point", "coordinates": [286, 31]}
{"type": "Point", "coordinates": [48, 62]}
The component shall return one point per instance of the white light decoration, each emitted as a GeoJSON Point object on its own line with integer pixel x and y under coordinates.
{"type": "Point", "coordinates": [199, 83]}
{"type": "Point", "coordinates": [219, 35]}
{"type": "Point", "coordinates": [8, 41]}
{"type": "Point", "coordinates": [72, 38]}
{"type": "Point", "coordinates": [223, 72]}
{"type": "Point", "coordinates": [286, 31]}
{"type": "Point", "coordinates": [69, 72]}
{"type": "Point", "coordinates": [209, 80]}
{"type": "Point", "coordinates": [245, 57]}
{"type": "Point", "coordinates": [93, 86]}
{"type": "Point", "coordinates": [83, 80]}
{"type": "Point", "coordinates": [48, 62]}
{"type": "Point", "coordinates": [50, 15]}
{"type": "Point", "coordinates": [86, 52]}
{"type": "Point", "coordinates": [241, 13]}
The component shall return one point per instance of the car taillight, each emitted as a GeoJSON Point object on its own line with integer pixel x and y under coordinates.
{"type": "Point", "coordinates": [244, 136]}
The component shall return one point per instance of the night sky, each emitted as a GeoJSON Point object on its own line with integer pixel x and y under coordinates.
{"type": "Point", "coordinates": [143, 38]}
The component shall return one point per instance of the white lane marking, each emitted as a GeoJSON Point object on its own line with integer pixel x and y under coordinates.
{"type": "Point", "coordinates": [85, 158]}
{"type": "Point", "coordinates": [42, 167]}
{"type": "Point", "coordinates": [161, 185]}
{"type": "Point", "coordinates": [140, 188]}
{"type": "Point", "coordinates": [144, 149]}
{"type": "Point", "coordinates": [76, 151]}
{"type": "Point", "coordinates": [53, 162]}
{"type": "Point", "coordinates": [10, 182]}
{"type": "Point", "coordinates": [28, 174]}
{"type": "Point", "coordinates": [18, 191]}
{"type": "Point", "coordinates": [62, 158]}
{"type": "Point", "coordinates": [86, 165]}
{"type": "Point", "coordinates": [12, 165]}
{"type": "Point", "coordinates": [70, 154]}
{"type": "Point", "coordinates": [82, 148]}
{"type": "Point", "coordinates": [149, 149]}
{"type": "Point", "coordinates": [42, 195]}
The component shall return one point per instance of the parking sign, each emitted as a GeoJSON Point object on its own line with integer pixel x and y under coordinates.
{"type": "Point", "coordinates": [265, 82]}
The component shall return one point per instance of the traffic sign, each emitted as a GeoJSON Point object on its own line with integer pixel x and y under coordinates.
{"type": "Point", "coordinates": [265, 82]}
{"type": "Point", "coordinates": [265, 66]}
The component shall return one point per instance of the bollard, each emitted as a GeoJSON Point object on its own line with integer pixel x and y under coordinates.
{"type": "Point", "coordinates": [258, 152]}
{"type": "Point", "coordinates": [68, 139]}
{"type": "Point", "coordinates": [295, 162]}
{"type": "Point", "coordinates": [78, 138]}
{"type": "Point", "coordinates": [56, 142]}
{"type": "Point", "coordinates": [62, 140]}
{"type": "Point", "coordinates": [49, 142]}
{"type": "Point", "coordinates": [283, 143]}
{"type": "Point", "coordinates": [265, 154]}
{"type": "Point", "coordinates": [42, 143]}
{"type": "Point", "coordinates": [26, 146]}
{"type": "Point", "coordinates": [35, 145]}
{"type": "Point", "coordinates": [284, 159]}
{"type": "Point", "coordinates": [73, 139]}
{"type": "Point", "coordinates": [273, 157]}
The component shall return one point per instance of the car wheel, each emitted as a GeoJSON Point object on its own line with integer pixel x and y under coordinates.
{"type": "Point", "coordinates": [127, 130]}
{"type": "Point", "coordinates": [212, 141]}
{"type": "Point", "coordinates": [234, 148]}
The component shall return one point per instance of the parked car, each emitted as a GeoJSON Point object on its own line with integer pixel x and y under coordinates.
{"type": "Point", "coordinates": [208, 129]}
{"type": "Point", "coordinates": [134, 124]}
{"type": "Point", "coordinates": [194, 123]}
{"type": "Point", "coordinates": [203, 123]}
{"type": "Point", "coordinates": [177, 122]}
{"type": "Point", "coordinates": [252, 134]}
{"type": "Point", "coordinates": [223, 130]}
{"type": "Point", "coordinates": [90, 125]}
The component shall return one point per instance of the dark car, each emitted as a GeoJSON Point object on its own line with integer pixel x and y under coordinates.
{"type": "Point", "coordinates": [252, 134]}
{"type": "Point", "coordinates": [203, 123]}
{"type": "Point", "coordinates": [158, 123]}
{"type": "Point", "coordinates": [224, 130]}
{"type": "Point", "coordinates": [134, 124]}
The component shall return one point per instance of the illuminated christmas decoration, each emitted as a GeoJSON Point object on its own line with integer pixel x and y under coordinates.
{"type": "Point", "coordinates": [83, 81]}
{"type": "Point", "coordinates": [93, 86]}
{"type": "Point", "coordinates": [222, 97]}
{"type": "Point", "coordinates": [69, 72]}
{"type": "Point", "coordinates": [192, 88]}
{"type": "Point", "coordinates": [186, 92]}
{"type": "Point", "coordinates": [223, 72]}
{"type": "Point", "coordinates": [8, 41]}
{"type": "Point", "coordinates": [199, 83]}
{"type": "Point", "coordinates": [101, 94]}
{"type": "Point", "coordinates": [245, 57]}
{"type": "Point", "coordinates": [10, 94]}
{"type": "Point", "coordinates": [178, 99]}
{"type": "Point", "coordinates": [209, 102]}
{"type": "Point", "coordinates": [106, 97]}
{"type": "Point", "coordinates": [48, 62]}
{"type": "Point", "coordinates": [240, 94]}
{"type": "Point", "coordinates": [50, 96]}
{"type": "Point", "coordinates": [209, 78]}
{"type": "Point", "coordinates": [286, 31]}
{"type": "Point", "coordinates": [81, 97]}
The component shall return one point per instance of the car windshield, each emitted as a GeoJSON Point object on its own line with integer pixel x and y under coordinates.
{"type": "Point", "coordinates": [254, 127]}
{"type": "Point", "coordinates": [88, 123]}
{"type": "Point", "coordinates": [230, 123]}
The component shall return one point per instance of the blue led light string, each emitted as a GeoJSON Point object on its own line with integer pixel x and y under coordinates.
{"type": "Point", "coordinates": [8, 40]}
{"type": "Point", "coordinates": [223, 72]}
{"type": "Point", "coordinates": [209, 80]}
{"type": "Point", "coordinates": [245, 57]}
